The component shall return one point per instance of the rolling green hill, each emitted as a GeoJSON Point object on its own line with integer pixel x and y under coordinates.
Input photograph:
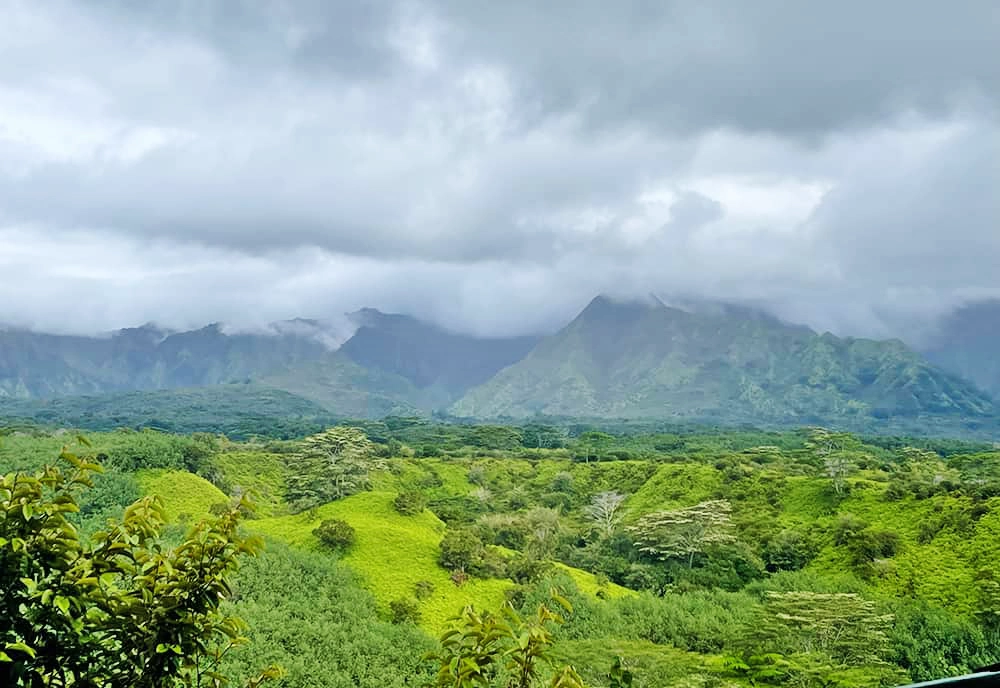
{"type": "Point", "coordinates": [237, 410]}
{"type": "Point", "coordinates": [910, 534]}
{"type": "Point", "coordinates": [728, 364]}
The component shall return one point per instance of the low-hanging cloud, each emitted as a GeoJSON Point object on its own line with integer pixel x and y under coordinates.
{"type": "Point", "coordinates": [492, 166]}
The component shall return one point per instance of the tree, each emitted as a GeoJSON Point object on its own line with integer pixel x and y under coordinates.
{"type": "Point", "coordinates": [537, 436]}
{"type": "Point", "coordinates": [335, 533]}
{"type": "Point", "coordinates": [840, 452]}
{"type": "Point", "coordinates": [481, 645]}
{"type": "Point", "coordinates": [592, 445]}
{"type": "Point", "coordinates": [330, 465]}
{"type": "Point", "coordinates": [685, 532]}
{"type": "Point", "coordinates": [605, 512]}
{"type": "Point", "coordinates": [410, 502]}
{"type": "Point", "coordinates": [121, 609]}
{"type": "Point", "coordinates": [544, 528]}
{"type": "Point", "coordinates": [844, 626]}
{"type": "Point", "coordinates": [496, 437]}
{"type": "Point", "coordinates": [838, 467]}
{"type": "Point", "coordinates": [460, 549]}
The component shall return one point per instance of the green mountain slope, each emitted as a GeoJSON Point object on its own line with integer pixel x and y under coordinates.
{"type": "Point", "coordinates": [430, 357]}
{"type": "Point", "coordinates": [345, 388]}
{"type": "Point", "coordinates": [730, 364]}
{"type": "Point", "coordinates": [34, 365]}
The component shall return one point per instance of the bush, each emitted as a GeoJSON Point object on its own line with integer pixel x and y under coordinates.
{"type": "Point", "coordinates": [463, 550]}
{"type": "Point", "coordinates": [562, 482]}
{"type": "Point", "coordinates": [460, 548]}
{"type": "Point", "coordinates": [410, 503]}
{"type": "Point", "coordinates": [404, 610]}
{"type": "Point", "coordinates": [788, 550]}
{"type": "Point", "coordinates": [526, 569]}
{"type": "Point", "coordinates": [335, 533]}
{"type": "Point", "coordinates": [423, 589]}
{"type": "Point", "coordinates": [872, 544]}
{"type": "Point", "coordinates": [477, 475]}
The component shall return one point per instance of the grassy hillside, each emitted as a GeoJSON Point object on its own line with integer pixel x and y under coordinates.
{"type": "Point", "coordinates": [912, 532]}
{"type": "Point", "coordinates": [186, 497]}
{"type": "Point", "coordinates": [392, 554]}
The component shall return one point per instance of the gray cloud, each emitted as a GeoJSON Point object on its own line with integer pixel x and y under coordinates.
{"type": "Point", "coordinates": [494, 165]}
{"type": "Point", "coordinates": [774, 66]}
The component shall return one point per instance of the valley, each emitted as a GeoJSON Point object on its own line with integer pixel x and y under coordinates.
{"type": "Point", "coordinates": [445, 516]}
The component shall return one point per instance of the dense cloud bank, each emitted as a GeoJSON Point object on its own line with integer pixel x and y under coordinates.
{"type": "Point", "coordinates": [492, 166]}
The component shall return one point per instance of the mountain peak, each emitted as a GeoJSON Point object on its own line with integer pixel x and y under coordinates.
{"type": "Point", "coordinates": [611, 314]}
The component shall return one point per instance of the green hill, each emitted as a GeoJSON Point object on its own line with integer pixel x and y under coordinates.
{"type": "Point", "coordinates": [236, 410]}
{"type": "Point", "coordinates": [392, 554]}
{"type": "Point", "coordinates": [725, 364]}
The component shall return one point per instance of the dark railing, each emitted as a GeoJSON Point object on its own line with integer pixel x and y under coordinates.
{"type": "Point", "coordinates": [987, 676]}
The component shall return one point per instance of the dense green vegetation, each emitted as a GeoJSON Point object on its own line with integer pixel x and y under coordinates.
{"type": "Point", "coordinates": [688, 557]}
{"type": "Point", "coordinates": [727, 365]}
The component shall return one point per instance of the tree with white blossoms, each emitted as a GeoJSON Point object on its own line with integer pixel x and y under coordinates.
{"type": "Point", "coordinates": [606, 511]}
{"type": "Point", "coordinates": [844, 626]}
{"type": "Point", "coordinates": [685, 532]}
{"type": "Point", "coordinates": [839, 451]}
{"type": "Point", "coordinates": [838, 467]}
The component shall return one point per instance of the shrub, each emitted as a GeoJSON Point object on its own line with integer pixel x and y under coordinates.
{"type": "Point", "coordinates": [562, 482]}
{"type": "Point", "coordinates": [527, 569]}
{"type": "Point", "coordinates": [872, 544]}
{"type": "Point", "coordinates": [410, 502]}
{"type": "Point", "coordinates": [477, 475]}
{"type": "Point", "coordinates": [460, 548]}
{"type": "Point", "coordinates": [788, 550]}
{"type": "Point", "coordinates": [335, 533]}
{"type": "Point", "coordinates": [404, 610]}
{"type": "Point", "coordinates": [423, 589]}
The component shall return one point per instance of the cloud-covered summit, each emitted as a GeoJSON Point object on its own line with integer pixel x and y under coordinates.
{"type": "Point", "coordinates": [492, 166]}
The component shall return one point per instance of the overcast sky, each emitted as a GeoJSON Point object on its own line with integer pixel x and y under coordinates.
{"type": "Point", "coordinates": [493, 165]}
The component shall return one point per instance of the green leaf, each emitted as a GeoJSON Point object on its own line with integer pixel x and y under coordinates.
{"type": "Point", "coordinates": [61, 603]}
{"type": "Point", "coordinates": [21, 647]}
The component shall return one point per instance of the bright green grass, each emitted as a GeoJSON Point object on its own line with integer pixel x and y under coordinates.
{"type": "Point", "coordinates": [675, 485]}
{"type": "Point", "coordinates": [182, 493]}
{"type": "Point", "coordinates": [943, 571]}
{"type": "Point", "coordinates": [423, 474]}
{"type": "Point", "coordinates": [261, 472]}
{"type": "Point", "coordinates": [586, 583]}
{"type": "Point", "coordinates": [392, 553]}
{"type": "Point", "coordinates": [454, 475]}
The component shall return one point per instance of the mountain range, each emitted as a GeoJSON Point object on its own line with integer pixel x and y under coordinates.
{"type": "Point", "coordinates": [616, 359]}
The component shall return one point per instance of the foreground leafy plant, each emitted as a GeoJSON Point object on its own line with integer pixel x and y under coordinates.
{"type": "Point", "coordinates": [120, 610]}
{"type": "Point", "coordinates": [484, 650]}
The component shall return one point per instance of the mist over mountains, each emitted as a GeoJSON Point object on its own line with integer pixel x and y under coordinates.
{"type": "Point", "coordinates": [686, 360]}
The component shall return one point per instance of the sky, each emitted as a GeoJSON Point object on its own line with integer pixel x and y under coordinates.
{"type": "Point", "coordinates": [492, 166]}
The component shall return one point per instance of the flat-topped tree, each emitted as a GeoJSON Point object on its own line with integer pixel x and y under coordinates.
{"type": "Point", "coordinates": [685, 532]}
